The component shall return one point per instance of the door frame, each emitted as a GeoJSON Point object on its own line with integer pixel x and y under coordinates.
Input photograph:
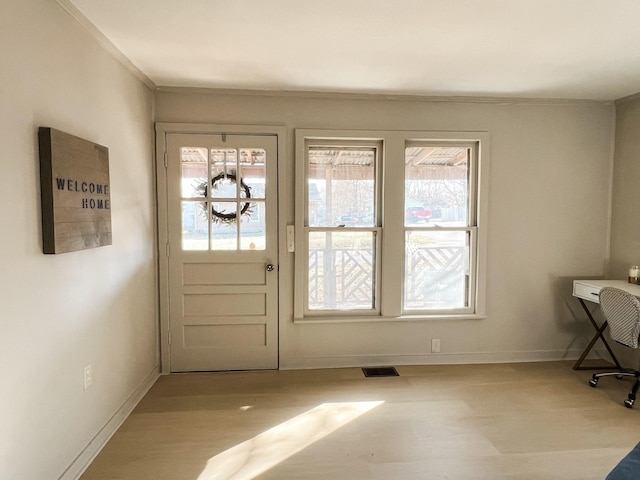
{"type": "Point", "coordinates": [162, 129]}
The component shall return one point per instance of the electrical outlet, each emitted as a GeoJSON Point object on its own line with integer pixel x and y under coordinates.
{"type": "Point", "coordinates": [435, 345]}
{"type": "Point", "coordinates": [88, 376]}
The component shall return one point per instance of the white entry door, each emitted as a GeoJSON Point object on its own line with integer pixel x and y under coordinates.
{"type": "Point", "coordinates": [222, 267]}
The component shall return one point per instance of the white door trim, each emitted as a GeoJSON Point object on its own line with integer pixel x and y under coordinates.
{"type": "Point", "coordinates": [162, 129]}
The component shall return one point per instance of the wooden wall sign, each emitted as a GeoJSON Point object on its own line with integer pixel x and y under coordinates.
{"type": "Point", "coordinates": [75, 190]}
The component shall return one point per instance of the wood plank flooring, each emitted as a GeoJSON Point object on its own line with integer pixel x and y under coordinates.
{"type": "Point", "coordinates": [522, 421]}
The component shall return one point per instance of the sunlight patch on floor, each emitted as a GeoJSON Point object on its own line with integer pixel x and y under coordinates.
{"type": "Point", "coordinates": [257, 455]}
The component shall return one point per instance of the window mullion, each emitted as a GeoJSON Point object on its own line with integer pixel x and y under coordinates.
{"type": "Point", "coordinates": [392, 239]}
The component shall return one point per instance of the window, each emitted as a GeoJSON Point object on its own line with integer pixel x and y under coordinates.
{"type": "Point", "coordinates": [341, 226]}
{"type": "Point", "coordinates": [439, 225]}
{"type": "Point", "coordinates": [388, 225]}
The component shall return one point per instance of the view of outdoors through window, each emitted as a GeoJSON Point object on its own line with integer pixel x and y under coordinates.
{"type": "Point", "coordinates": [437, 227]}
{"type": "Point", "coordinates": [216, 185]}
{"type": "Point", "coordinates": [343, 227]}
{"type": "Point", "coordinates": [342, 234]}
{"type": "Point", "coordinates": [391, 224]}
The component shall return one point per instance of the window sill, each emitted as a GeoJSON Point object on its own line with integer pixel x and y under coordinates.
{"type": "Point", "coordinates": [381, 319]}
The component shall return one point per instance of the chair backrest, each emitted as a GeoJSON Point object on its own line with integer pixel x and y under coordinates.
{"type": "Point", "coordinates": [622, 311]}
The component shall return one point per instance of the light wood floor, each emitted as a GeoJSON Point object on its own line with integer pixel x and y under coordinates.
{"type": "Point", "coordinates": [506, 421]}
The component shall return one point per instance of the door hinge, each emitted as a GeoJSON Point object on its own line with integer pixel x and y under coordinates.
{"type": "Point", "coordinates": [166, 163]}
{"type": "Point", "coordinates": [169, 337]}
{"type": "Point", "coordinates": [168, 249]}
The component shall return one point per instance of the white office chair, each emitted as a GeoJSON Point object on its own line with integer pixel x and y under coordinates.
{"type": "Point", "coordinates": [622, 312]}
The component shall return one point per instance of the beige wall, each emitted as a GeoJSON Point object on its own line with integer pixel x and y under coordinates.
{"type": "Point", "coordinates": [549, 204]}
{"type": "Point", "coordinates": [61, 312]}
{"type": "Point", "coordinates": [625, 217]}
{"type": "Point", "coordinates": [625, 221]}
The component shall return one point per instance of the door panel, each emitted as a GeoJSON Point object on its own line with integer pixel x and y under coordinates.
{"type": "Point", "coordinates": [201, 305]}
{"type": "Point", "coordinates": [207, 336]}
{"type": "Point", "coordinates": [222, 290]}
{"type": "Point", "coordinates": [227, 274]}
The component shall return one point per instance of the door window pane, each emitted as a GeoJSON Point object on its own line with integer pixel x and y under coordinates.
{"type": "Point", "coordinates": [253, 169]}
{"type": "Point", "coordinates": [224, 234]}
{"type": "Point", "coordinates": [195, 232]}
{"type": "Point", "coordinates": [437, 270]}
{"type": "Point", "coordinates": [224, 168]}
{"type": "Point", "coordinates": [253, 228]}
{"type": "Point", "coordinates": [193, 164]}
{"type": "Point", "coordinates": [341, 270]}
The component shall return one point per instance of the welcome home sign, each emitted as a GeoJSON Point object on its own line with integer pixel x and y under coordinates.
{"type": "Point", "coordinates": [75, 192]}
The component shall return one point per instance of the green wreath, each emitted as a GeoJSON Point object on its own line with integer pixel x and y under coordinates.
{"type": "Point", "coordinates": [222, 216]}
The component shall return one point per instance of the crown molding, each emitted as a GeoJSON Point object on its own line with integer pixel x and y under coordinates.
{"type": "Point", "coordinates": [628, 99]}
{"type": "Point", "coordinates": [381, 96]}
{"type": "Point", "coordinates": [105, 43]}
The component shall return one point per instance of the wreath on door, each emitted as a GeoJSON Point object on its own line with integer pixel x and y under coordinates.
{"type": "Point", "coordinates": [221, 216]}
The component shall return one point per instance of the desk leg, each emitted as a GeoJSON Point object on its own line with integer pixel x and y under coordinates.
{"type": "Point", "coordinates": [599, 335]}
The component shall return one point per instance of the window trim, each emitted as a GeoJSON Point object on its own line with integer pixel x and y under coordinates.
{"type": "Point", "coordinates": [390, 267]}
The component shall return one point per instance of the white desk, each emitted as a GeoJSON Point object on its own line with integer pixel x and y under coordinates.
{"type": "Point", "coordinates": [589, 290]}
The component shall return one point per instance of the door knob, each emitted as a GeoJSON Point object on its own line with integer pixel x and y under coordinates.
{"type": "Point", "coordinates": [270, 267]}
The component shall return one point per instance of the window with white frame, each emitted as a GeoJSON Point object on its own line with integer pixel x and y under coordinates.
{"type": "Point", "coordinates": [440, 225]}
{"type": "Point", "coordinates": [341, 230]}
{"type": "Point", "coordinates": [389, 225]}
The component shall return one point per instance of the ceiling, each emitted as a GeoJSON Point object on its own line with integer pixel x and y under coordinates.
{"type": "Point", "coordinates": [567, 49]}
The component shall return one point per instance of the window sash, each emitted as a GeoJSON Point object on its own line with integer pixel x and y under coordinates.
{"type": "Point", "coordinates": [452, 265]}
{"type": "Point", "coordinates": [337, 261]}
{"type": "Point", "coordinates": [348, 262]}
{"type": "Point", "coordinates": [448, 258]}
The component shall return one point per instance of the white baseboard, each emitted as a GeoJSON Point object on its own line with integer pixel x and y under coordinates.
{"type": "Point", "coordinates": [91, 450]}
{"type": "Point", "coordinates": [296, 363]}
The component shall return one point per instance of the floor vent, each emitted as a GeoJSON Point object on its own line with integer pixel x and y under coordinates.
{"type": "Point", "coordinates": [380, 372]}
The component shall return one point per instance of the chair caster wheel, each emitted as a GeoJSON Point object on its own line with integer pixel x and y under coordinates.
{"type": "Point", "coordinates": [629, 403]}
{"type": "Point", "coordinates": [593, 382]}
{"type": "Point", "coordinates": [619, 377]}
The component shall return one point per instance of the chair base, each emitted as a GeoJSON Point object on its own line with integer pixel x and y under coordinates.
{"type": "Point", "coordinates": [631, 398]}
